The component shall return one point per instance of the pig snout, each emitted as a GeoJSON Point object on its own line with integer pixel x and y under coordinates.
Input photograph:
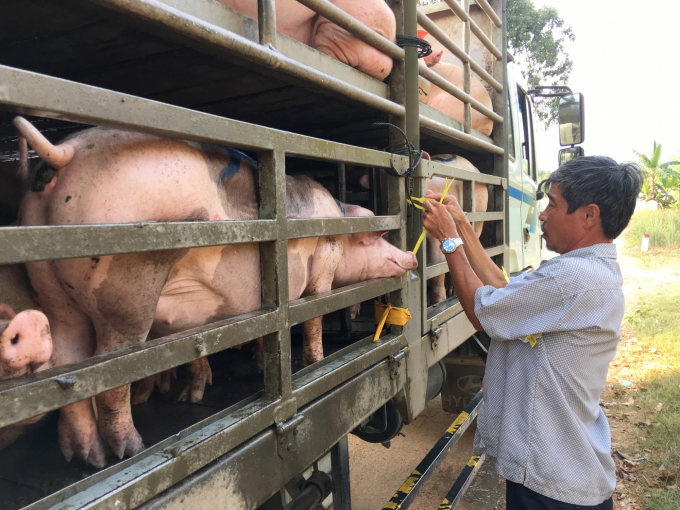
{"type": "Point", "coordinates": [408, 261]}
{"type": "Point", "coordinates": [25, 343]}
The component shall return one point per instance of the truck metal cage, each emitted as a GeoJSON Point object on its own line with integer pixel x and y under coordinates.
{"type": "Point", "coordinates": [174, 69]}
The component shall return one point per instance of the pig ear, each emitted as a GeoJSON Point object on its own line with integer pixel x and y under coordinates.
{"type": "Point", "coordinates": [426, 155]}
{"type": "Point", "coordinates": [57, 156]}
{"type": "Point", "coordinates": [367, 238]}
{"type": "Point", "coordinates": [437, 56]}
{"type": "Point", "coordinates": [7, 312]}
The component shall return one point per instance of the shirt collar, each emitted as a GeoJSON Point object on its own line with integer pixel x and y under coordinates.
{"type": "Point", "coordinates": [601, 250]}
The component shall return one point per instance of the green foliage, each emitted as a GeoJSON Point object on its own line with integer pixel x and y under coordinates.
{"type": "Point", "coordinates": [537, 37]}
{"type": "Point", "coordinates": [542, 175]}
{"type": "Point", "coordinates": [658, 174]}
{"type": "Point", "coordinates": [662, 225]}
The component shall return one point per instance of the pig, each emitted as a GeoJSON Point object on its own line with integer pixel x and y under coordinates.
{"type": "Point", "coordinates": [441, 100]}
{"type": "Point", "coordinates": [100, 304]}
{"type": "Point", "coordinates": [25, 347]}
{"type": "Point", "coordinates": [303, 24]}
{"type": "Point", "coordinates": [437, 288]}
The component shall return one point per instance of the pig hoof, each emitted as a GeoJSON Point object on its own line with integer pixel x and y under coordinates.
{"type": "Point", "coordinates": [123, 443]}
{"type": "Point", "coordinates": [309, 358]}
{"type": "Point", "coordinates": [85, 444]}
{"type": "Point", "coordinates": [142, 390]}
{"type": "Point", "coordinates": [198, 375]}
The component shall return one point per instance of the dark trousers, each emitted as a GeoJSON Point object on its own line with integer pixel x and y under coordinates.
{"type": "Point", "coordinates": [520, 498]}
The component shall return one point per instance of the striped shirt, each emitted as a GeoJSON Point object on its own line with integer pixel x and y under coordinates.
{"type": "Point", "coordinates": [541, 417]}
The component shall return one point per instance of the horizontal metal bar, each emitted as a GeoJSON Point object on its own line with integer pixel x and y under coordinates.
{"type": "Point", "coordinates": [430, 168]}
{"type": "Point", "coordinates": [442, 267]}
{"type": "Point", "coordinates": [496, 250]}
{"type": "Point", "coordinates": [233, 480]}
{"type": "Point", "coordinates": [354, 27]}
{"type": "Point", "coordinates": [459, 135]}
{"type": "Point", "coordinates": [30, 244]}
{"type": "Point", "coordinates": [329, 376]}
{"type": "Point", "coordinates": [441, 36]}
{"type": "Point", "coordinates": [314, 227]}
{"type": "Point", "coordinates": [153, 474]}
{"type": "Point", "coordinates": [41, 392]}
{"type": "Point", "coordinates": [31, 93]}
{"type": "Point", "coordinates": [444, 311]}
{"type": "Point", "coordinates": [111, 476]}
{"type": "Point", "coordinates": [455, 495]}
{"type": "Point", "coordinates": [426, 468]}
{"type": "Point", "coordinates": [488, 10]}
{"type": "Point", "coordinates": [449, 87]}
{"type": "Point", "coordinates": [219, 14]}
{"type": "Point", "coordinates": [485, 216]}
{"type": "Point", "coordinates": [198, 32]}
{"type": "Point", "coordinates": [460, 12]}
{"type": "Point", "coordinates": [315, 306]}
{"type": "Point", "coordinates": [436, 270]}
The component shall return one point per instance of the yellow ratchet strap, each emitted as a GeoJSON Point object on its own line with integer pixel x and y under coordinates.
{"type": "Point", "coordinates": [505, 275]}
{"type": "Point", "coordinates": [386, 313]}
{"type": "Point", "coordinates": [422, 236]}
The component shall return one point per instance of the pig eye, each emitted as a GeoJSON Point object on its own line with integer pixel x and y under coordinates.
{"type": "Point", "coordinates": [15, 340]}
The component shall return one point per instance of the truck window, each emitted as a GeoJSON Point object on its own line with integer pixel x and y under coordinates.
{"type": "Point", "coordinates": [526, 134]}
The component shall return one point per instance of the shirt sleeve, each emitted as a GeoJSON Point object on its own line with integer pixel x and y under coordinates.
{"type": "Point", "coordinates": [526, 306]}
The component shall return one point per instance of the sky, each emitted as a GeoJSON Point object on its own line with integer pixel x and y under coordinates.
{"type": "Point", "coordinates": [626, 66]}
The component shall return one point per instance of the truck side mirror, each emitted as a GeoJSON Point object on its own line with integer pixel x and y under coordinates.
{"type": "Point", "coordinates": [570, 115]}
{"type": "Point", "coordinates": [570, 153]}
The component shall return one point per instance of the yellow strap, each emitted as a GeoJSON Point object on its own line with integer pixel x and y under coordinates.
{"type": "Point", "coordinates": [424, 233]}
{"type": "Point", "coordinates": [505, 275]}
{"type": "Point", "coordinates": [390, 314]}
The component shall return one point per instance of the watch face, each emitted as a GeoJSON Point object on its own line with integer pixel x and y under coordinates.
{"type": "Point", "coordinates": [448, 244]}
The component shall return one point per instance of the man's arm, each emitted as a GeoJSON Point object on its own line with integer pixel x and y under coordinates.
{"type": "Point", "coordinates": [485, 268]}
{"type": "Point", "coordinates": [440, 224]}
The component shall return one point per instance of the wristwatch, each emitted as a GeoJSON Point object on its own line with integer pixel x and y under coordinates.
{"type": "Point", "coordinates": [450, 244]}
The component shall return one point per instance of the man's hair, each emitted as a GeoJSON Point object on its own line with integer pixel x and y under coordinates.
{"type": "Point", "coordinates": [602, 181]}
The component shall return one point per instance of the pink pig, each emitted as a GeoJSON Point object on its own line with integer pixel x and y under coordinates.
{"type": "Point", "coordinates": [100, 304]}
{"type": "Point", "coordinates": [25, 347]}
{"type": "Point", "coordinates": [303, 24]}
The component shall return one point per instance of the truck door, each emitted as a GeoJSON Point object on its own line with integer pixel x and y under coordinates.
{"type": "Point", "coordinates": [531, 250]}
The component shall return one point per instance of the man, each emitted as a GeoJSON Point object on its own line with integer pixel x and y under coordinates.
{"type": "Point", "coordinates": [554, 332]}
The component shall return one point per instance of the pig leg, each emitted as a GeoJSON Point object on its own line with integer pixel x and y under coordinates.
{"type": "Point", "coordinates": [73, 340]}
{"type": "Point", "coordinates": [120, 295]}
{"type": "Point", "coordinates": [198, 374]}
{"type": "Point", "coordinates": [325, 260]}
{"type": "Point", "coordinates": [142, 390]}
{"type": "Point", "coordinates": [436, 288]}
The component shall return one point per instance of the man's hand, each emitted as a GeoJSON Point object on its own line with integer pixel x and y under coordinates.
{"type": "Point", "coordinates": [438, 221]}
{"type": "Point", "coordinates": [451, 204]}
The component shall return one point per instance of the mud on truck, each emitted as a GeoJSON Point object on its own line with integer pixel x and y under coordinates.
{"type": "Point", "coordinates": [212, 267]}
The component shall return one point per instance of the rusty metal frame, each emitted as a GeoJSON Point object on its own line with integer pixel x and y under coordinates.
{"type": "Point", "coordinates": [201, 452]}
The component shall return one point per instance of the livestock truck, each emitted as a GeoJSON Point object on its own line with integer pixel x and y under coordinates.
{"type": "Point", "coordinates": [200, 71]}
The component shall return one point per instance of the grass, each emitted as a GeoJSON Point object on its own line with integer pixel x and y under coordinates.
{"type": "Point", "coordinates": [645, 421]}
{"type": "Point", "coordinates": [662, 225]}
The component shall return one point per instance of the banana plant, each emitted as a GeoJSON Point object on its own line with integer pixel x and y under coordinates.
{"type": "Point", "coordinates": [653, 169]}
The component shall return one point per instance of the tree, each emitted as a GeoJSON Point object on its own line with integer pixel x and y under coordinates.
{"type": "Point", "coordinates": [656, 171]}
{"type": "Point", "coordinates": [536, 37]}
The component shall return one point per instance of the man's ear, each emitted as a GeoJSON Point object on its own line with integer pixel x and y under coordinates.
{"type": "Point", "coordinates": [366, 238]}
{"type": "Point", "coordinates": [592, 216]}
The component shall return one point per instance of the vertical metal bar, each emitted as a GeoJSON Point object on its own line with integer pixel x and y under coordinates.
{"type": "Point", "coordinates": [341, 183]}
{"type": "Point", "coordinates": [340, 473]}
{"type": "Point", "coordinates": [467, 111]}
{"type": "Point", "coordinates": [274, 276]}
{"type": "Point", "coordinates": [500, 106]}
{"type": "Point", "coordinates": [266, 22]}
